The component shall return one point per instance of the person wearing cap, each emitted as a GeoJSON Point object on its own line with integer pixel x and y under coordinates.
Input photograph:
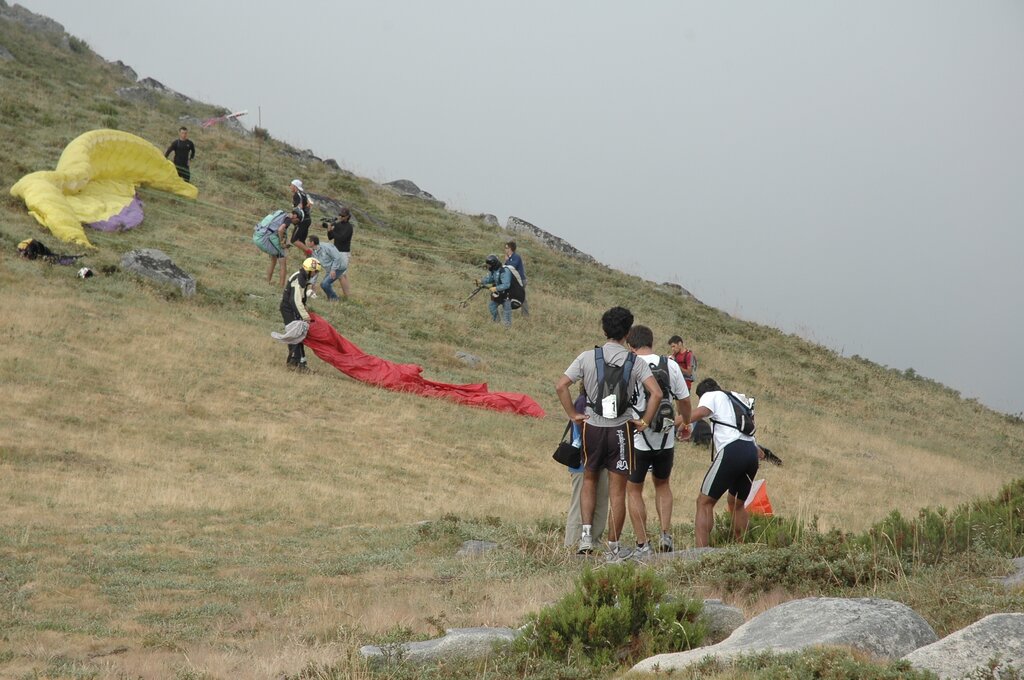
{"type": "Point", "coordinates": [293, 307]}
{"type": "Point", "coordinates": [498, 280]}
{"type": "Point", "coordinates": [340, 231]}
{"type": "Point", "coordinates": [300, 201]}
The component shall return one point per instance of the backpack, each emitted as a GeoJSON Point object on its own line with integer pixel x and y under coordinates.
{"type": "Point", "coordinates": [665, 416]}
{"type": "Point", "coordinates": [692, 375]}
{"type": "Point", "coordinates": [516, 292]}
{"type": "Point", "coordinates": [612, 380]}
{"type": "Point", "coordinates": [268, 223]}
{"type": "Point", "coordinates": [744, 415]}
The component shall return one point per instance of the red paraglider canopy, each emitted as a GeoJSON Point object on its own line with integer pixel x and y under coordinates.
{"type": "Point", "coordinates": [332, 347]}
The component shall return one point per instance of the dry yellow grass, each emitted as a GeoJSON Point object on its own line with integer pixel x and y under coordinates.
{"type": "Point", "coordinates": [173, 501]}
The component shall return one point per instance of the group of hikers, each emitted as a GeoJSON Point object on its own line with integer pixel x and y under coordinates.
{"type": "Point", "coordinates": [634, 403]}
{"type": "Point", "coordinates": [633, 406]}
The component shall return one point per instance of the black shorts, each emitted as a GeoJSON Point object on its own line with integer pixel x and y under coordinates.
{"type": "Point", "coordinates": [732, 470]}
{"type": "Point", "coordinates": [607, 447]}
{"type": "Point", "coordinates": [301, 231]}
{"type": "Point", "coordinates": [659, 462]}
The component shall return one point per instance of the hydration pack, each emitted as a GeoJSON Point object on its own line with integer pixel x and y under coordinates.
{"type": "Point", "coordinates": [612, 380]}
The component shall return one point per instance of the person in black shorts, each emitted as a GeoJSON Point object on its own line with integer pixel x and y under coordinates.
{"type": "Point", "coordinates": [300, 201]}
{"type": "Point", "coordinates": [607, 427]}
{"type": "Point", "coordinates": [734, 463]}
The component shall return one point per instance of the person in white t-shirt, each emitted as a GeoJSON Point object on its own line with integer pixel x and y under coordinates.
{"type": "Point", "coordinates": [655, 450]}
{"type": "Point", "coordinates": [734, 462]}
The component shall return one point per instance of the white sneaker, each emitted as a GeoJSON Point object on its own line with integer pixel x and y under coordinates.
{"type": "Point", "coordinates": [586, 545]}
{"type": "Point", "coordinates": [618, 554]}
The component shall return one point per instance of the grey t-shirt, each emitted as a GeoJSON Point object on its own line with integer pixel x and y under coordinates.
{"type": "Point", "coordinates": [583, 368]}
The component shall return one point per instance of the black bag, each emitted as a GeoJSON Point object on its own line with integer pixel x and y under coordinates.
{"type": "Point", "coordinates": [515, 292]}
{"type": "Point", "coordinates": [612, 379]}
{"type": "Point", "coordinates": [744, 415]}
{"type": "Point", "coordinates": [567, 454]}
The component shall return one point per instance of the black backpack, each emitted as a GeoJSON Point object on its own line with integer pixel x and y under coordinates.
{"type": "Point", "coordinates": [664, 417]}
{"type": "Point", "coordinates": [612, 379]}
{"type": "Point", "coordinates": [744, 415]}
{"type": "Point", "coordinates": [516, 292]}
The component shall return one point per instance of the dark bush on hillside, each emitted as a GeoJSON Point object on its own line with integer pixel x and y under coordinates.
{"type": "Point", "coordinates": [614, 615]}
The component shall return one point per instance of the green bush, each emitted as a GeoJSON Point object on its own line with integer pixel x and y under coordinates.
{"type": "Point", "coordinates": [811, 664]}
{"type": "Point", "coordinates": [614, 615]}
{"type": "Point", "coordinates": [995, 524]}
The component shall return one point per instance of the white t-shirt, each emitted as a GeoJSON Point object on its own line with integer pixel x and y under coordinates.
{"type": "Point", "coordinates": [677, 384]}
{"type": "Point", "coordinates": [722, 411]}
{"type": "Point", "coordinates": [583, 368]}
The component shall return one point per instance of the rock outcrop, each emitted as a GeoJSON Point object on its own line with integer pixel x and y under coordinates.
{"type": "Point", "coordinates": [882, 628]}
{"type": "Point", "coordinates": [154, 264]}
{"type": "Point", "coordinates": [516, 225]}
{"type": "Point", "coordinates": [456, 643]}
{"type": "Point", "coordinates": [36, 23]}
{"type": "Point", "coordinates": [408, 188]}
{"type": "Point", "coordinates": [997, 637]}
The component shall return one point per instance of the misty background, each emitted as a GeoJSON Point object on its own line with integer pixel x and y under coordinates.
{"type": "Point", "coordinates": [852, 172]}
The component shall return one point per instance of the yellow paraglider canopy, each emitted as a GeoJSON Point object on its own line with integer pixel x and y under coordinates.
{"type": "Point", "coordinates": [95, 183]}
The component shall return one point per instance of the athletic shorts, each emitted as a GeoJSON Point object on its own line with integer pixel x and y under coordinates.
{"type": "Point", "coordinates": [301, 231]}
{"type": "Point", "coordinates": [269, 243]}
{"type": "Point", "coordinates": [607, 447]}
{"type": "Point", "coordinates": [732, 470]}
{"type": "Point", "coordinates": [659, 462]}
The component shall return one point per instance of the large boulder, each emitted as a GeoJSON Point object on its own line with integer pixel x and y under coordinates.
{"type": "Point", "coordinates": [882, 628]}
{"type": "Point", "coordinates": [466, 643]}
{"type": "Point", "coordinates": [721, 619]}
{"type": "Point", "coordinates": [408, 188]}
{"type": "Point", "coordinates": [970, 649]}
{"type": "Point", "coordinates": [156, 266]}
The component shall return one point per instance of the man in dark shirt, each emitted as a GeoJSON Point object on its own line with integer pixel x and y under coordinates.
{"type": "Point", "coordinates": [184, 151]}
{"type": "Point", "coordinates": [513, 259]}
{"type": "Point", "coordinates": [340, 231]}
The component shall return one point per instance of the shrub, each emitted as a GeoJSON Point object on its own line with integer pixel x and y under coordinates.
{"type": "Point", "coordinates": [615, 614]}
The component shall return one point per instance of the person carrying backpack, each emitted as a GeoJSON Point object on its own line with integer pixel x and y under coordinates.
{"type": "Point", "coordinates": [654, 447]}
{"type": "Point", "coordinates": [611, 374]}
{"type": "Point", "coordinates": [499, 281]}
{"type": "Point", "coordinates": [301, 202]}
{"type": "Point", "coordinates": [269, 234]}
{"type": "Point", "coordinates": [734, 459]}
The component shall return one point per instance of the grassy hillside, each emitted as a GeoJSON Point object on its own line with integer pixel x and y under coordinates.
{"type": "Point", "coordinates": [175, 502]}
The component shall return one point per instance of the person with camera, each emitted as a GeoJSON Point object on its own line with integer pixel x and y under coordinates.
{"type": "Point", "coordinates": [655, 450]}
{"type": "Point", "coordinates": [340, 231]}
{"type": "Point", "coordinates": [498, 280]}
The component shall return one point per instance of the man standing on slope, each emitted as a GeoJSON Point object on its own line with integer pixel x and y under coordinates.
{"type": "Point", "coordinates": [688, 364]}
{"type": "Point", "coordinates": [300, 202]}
{"type": "Point", "coordinates": [610, 374]}
{"type": "Point", "coordinates": [184, 152]}
{"type": "Point", "coordinates": [733, 465]}
{"type": "Point", "coordinates": [514, 260]}
{"type": "Point", "coordinates": [293, 307]}
{"type": "Point", "coordinates": [655, 450]}
{"type": "Point", "coordinates": [340, 231]}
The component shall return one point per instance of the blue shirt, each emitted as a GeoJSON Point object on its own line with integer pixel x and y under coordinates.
{"type": "Point", "coordinates": [515, 261]}
{"type": "Point", "coordinates": [328, 255]}
{"type": "Point", "coordinates": [500, 279]}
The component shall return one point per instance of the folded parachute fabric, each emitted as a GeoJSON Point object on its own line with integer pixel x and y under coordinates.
{"type": "Point", "coordinates": [95, 182]}
{"type": "Point", "coordinates": [294, 332]}
{"type": "Point", "coordinates": [332, 347]}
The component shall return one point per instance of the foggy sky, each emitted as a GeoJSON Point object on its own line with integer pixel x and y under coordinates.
{"type": "Point", "coordinates": [850, 171]}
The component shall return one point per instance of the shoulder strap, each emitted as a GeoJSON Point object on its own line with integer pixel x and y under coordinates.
{"type": "Point", "coordinates": [627, 367]}
{"type": "Point", "coordinates": [599, 366]}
